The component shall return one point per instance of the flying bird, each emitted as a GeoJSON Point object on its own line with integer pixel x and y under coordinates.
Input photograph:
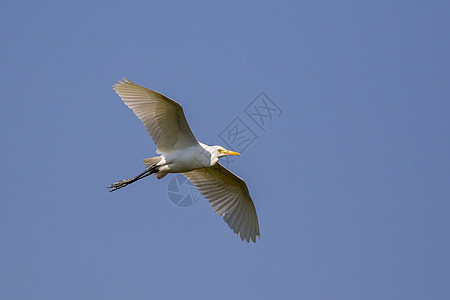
{"type": "Point", "coordinates": [180, 152]}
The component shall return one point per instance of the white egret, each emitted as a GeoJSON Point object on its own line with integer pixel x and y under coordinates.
{"type": "Point", "coordinates": [180, 152]}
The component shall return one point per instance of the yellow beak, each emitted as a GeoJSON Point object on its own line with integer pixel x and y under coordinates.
{"type": "Point", "coordinates": [227, 152]}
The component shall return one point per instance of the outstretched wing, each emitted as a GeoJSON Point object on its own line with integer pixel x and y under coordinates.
{"type": "Point", "coordinates": [229, 197]}
{"type": "Point", "coordinates": [163, 118]}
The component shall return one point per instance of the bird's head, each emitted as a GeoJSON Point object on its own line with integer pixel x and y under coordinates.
{"type": "Point", "coordinates": [224, 152]}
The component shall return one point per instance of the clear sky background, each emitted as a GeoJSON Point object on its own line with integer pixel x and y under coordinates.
{"type": "Point", "coordinates": [351, 182]}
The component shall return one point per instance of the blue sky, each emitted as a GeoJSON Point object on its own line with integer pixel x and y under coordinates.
{"type": "Point", "coordinates": [350, 182]}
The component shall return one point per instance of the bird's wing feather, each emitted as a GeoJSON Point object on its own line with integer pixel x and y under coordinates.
{"type": "Point", "coordinates": [163, 118]}
{"type": "Point", "coordinates": [229, 197]}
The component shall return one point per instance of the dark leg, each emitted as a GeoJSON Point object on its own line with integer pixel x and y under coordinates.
{"type": "Point", "coordinates": [120, 184]}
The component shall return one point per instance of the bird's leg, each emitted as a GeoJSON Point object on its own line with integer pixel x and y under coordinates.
{"type": "Point", "coordinates": [120, 184]}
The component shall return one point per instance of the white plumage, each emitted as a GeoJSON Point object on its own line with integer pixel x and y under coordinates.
{"type": "Point", "coordinates": [180, 152]}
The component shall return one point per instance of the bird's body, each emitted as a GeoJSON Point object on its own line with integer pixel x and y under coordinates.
{"type": "Point", "coordinates": [188, 159]}
{"type": "Point", "coordinates": [180, 152]}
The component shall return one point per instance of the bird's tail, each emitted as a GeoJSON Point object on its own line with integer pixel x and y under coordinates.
{"type": "Point", "coordinates": [152, 161]}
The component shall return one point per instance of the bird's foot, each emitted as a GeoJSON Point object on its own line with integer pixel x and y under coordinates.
{"type": "Point", "coordinates": [119, 184]}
